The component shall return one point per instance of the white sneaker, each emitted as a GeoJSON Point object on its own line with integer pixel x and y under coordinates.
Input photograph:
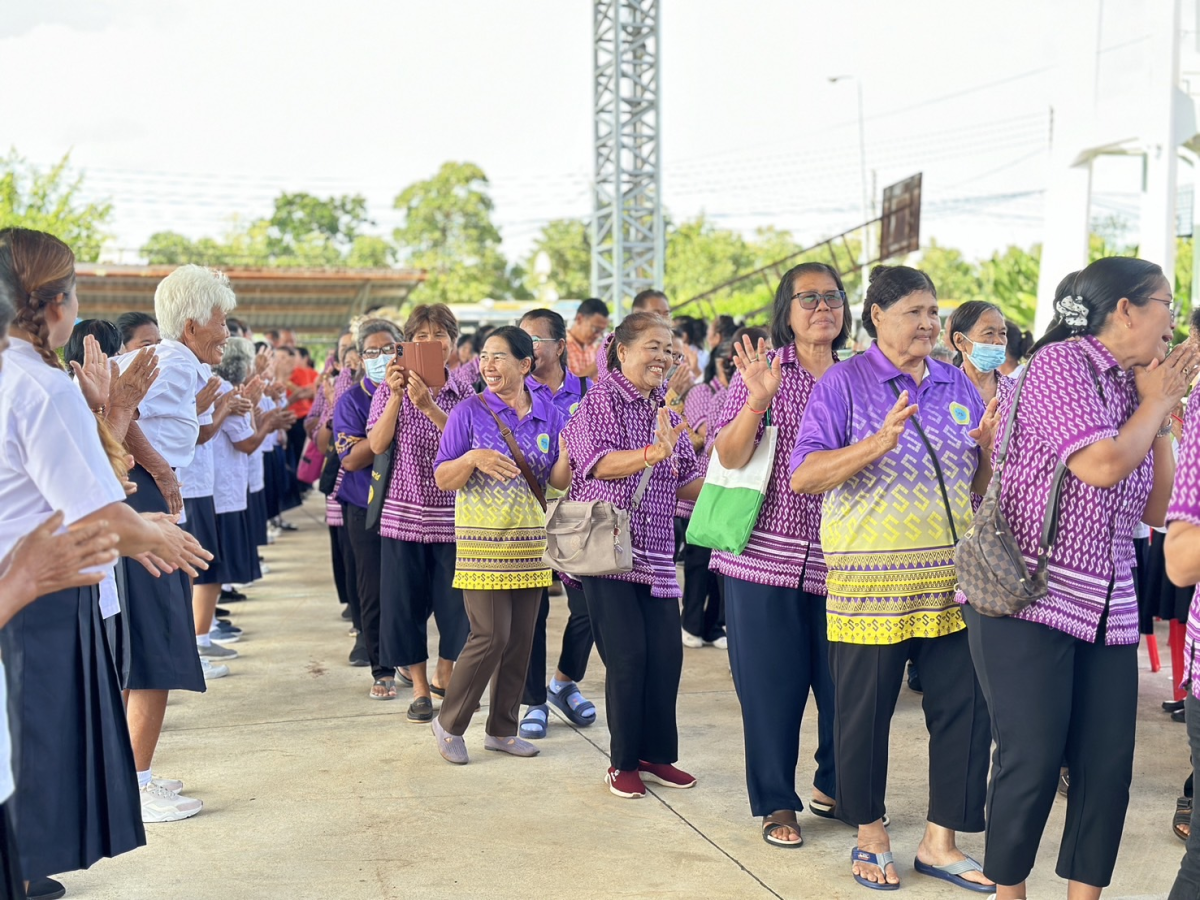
{"type": "Point", "coordinates": [721, 643]}
{"type": "Point", "coordinates": [169, 784]}
{"type": "Point", "coordinates": [216, 652]}
{"type": "Point", "coordinates": [161, 805]}
{"type": "Point", "coordinates": [264, 568]}
{"type": "Point", "coordinates": [690, 640]}
{"type": "Point", "coordinates": [223, 637]}
{"type": "Point", "coordinates": [211, 671]}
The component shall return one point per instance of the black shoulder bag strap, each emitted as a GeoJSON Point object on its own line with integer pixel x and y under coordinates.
{"type": "Point", "coordinates": [937, 466]}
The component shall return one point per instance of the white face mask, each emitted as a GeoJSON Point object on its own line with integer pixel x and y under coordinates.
{"type": "Point", "coordinates": [376, 369]}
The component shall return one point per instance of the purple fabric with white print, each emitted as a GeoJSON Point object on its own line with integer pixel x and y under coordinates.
{"type": "Point", "coordinates": [615, 416]}
{"type": "Point", "coordinates": [415, 509]}
{"type": "Point", "coordinates": [785, 545]}
{"type": "Point", "coordinates": [708, 401]}
{"type": "Point", "coordinates": [1185, 507]}
{"type": "Point", "coordinates": [1061, 412]}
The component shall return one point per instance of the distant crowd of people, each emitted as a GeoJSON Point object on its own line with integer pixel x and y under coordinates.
{"type": "Point", "coordinates": [451, 466]}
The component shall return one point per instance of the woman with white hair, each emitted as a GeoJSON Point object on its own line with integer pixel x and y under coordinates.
{"type": "Point", "coordinates": [191, 305]}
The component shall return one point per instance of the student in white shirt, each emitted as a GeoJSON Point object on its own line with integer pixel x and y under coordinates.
{"type": "Point", "coordinates": [75, 789]}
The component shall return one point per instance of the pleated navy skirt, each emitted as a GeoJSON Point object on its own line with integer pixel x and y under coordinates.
{"type": "Point", "coordinates": [162, 632]}
{"type": "Point", "coordinates": [202, 525]}
{"type": "Point", "coordinates": [274, 473]}
{"type": "Point", "coordinates": [239, 555]}
{"type": "Point", "coordinates": [116, 629]}
{"type": "Point", "coordinates": [77, 797]}
{"type": "Point", "coordinates": [256, 506]}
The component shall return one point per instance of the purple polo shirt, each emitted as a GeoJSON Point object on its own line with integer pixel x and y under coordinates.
{"type": "Point", "coordinates": [785, 545]}
{"type": "Point", "coordinates": [350, 427]}
{"type": "Point", "coordinates": [614, 416]}
{"type": "Point", "coordinates": [1185, 507]}
{"type": "Point", "coordinates": [567, 397]}
{"type": "Point", "coordinates": [333, 506]}
{"type": "Point", "coordinates": [1060, 413]}
{"type": "Point", "coordinates": [500, 529]}
{"type": "Point", "coordinates": [415, 509]}
{"type": "Point", "coordinates": [885, 532]}
{"type": "Point", "coordinates": [702, 401]}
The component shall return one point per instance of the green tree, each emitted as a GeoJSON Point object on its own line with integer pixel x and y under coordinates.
{"type": "Point", "coordinates": [448, 231]}
{"type": "Point", "coordinates": [567, 243]}
{"type": "Point", "coordinates": [953, 275]}
{"type": "Point", "coordinates": [1010, 280]}
{"type": "Point", "coordinates": [370, 251]}
{"type": "Point", "coordinates": [312, 230]}
{"type": "Point", "coordinates": [52, 201]}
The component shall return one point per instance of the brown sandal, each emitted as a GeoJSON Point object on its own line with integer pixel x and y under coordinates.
{"type": "Point", "coordinates": [1181, 824]}
{"type": "Point", "coordinates": [781, 818]}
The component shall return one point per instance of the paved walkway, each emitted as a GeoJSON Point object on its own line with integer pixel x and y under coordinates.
{"type": "Point", "coordinates": [314, 791]}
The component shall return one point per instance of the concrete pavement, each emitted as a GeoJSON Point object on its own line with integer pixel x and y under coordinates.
{"type": "Point", "coordinates": [312, 790]}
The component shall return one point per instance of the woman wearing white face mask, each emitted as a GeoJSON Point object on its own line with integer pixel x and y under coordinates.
{"type": "Point", "coordinates": [979, 337]}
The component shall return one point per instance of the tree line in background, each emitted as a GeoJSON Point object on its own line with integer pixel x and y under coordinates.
{"type": "Point", "coordinates": [449, 232]}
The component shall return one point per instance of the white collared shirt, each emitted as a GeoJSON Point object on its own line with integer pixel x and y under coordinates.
{"type": "Point", "coordinates": [231, 467]}
{"type": "Point", "coordinates": [167, 414]}
{"type": "Point", "coordinates": [50, 452]}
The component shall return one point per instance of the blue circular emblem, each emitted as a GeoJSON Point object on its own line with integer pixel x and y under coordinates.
{"type": "Point", "coordinates": [544, 442]}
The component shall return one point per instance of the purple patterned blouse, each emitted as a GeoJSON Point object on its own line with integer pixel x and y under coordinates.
{"type": "Point", "coordinates": [1185, 507]}
{"type": "Point", "coordinates": [1060, 413]}
{"type": "Point", "coordinates": [415, 509]}
{"type": "Point", "coordinates": [785, 545]}
{"type": "Point", "coordinates": [333, 506]}
{"type": "Point", "coordinates": [615, 416]}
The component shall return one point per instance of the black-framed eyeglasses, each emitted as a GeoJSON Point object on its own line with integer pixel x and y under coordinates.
{"type": "Point", "coordinates": [812, 299]}
{"type": "Point", "coordinates": [1170, 305]}
{"type": "Point", "coordinates": [678, 358]}
{"type": "Point", "coordinates": [376, 352]}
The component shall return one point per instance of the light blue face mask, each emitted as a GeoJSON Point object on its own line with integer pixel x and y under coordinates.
{"type": "Point", "coordinates": [376, 369]}
{"type": "Point", "coordinates": [987, 357]}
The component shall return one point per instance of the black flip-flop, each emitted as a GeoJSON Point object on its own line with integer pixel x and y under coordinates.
{"type": "Point", "coordinates": [777, 820]}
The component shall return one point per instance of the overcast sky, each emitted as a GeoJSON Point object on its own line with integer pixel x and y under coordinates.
{"type": "Point", "coordinates": [187, 113]}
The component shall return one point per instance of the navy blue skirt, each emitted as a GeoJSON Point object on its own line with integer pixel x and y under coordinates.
{"type": "Point", "coordinates": [162, 632]}
{"type": "Point", "coordinates": [77, 797]}
{"type": "Point", "coordinates": [116, 629]}
{"type": "Point", "coordinates": [202, 525]}
{"type": "Point", "coordinates": [239, 555]}
{"type": "Point", "coordinates": [274, 476]}
{"type": "Point", "coordinates": [256, 506]}
{"type": "Point", "coordinates": [12, 885]}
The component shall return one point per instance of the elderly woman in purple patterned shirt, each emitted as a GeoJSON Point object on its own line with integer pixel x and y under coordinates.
{"type": "Point", "coordinates": [1060, 677]}
{"type": "Point", "coordinates": [417, 522]}
{"type": "Point", "coordinates": [620, 431]}
{"type": "Point", "coordinates": [775, 588]}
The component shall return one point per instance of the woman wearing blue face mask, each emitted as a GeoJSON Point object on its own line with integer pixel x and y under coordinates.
{"type": "Point", "coordinates": [979, 337]}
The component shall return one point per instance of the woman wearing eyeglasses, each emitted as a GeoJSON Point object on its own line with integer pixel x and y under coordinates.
{"type": "Point", "coordinates": [417, 521]}
{"type": "Point", "coordinates": [775, 588]}
{"type": "Point", "coordinates": [897, 442]}
{"type": "Point", "coordinates": [377, 339]}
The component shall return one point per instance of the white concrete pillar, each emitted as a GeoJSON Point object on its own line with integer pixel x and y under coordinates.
{"type": "Point", "coordinates": [1158, 199]}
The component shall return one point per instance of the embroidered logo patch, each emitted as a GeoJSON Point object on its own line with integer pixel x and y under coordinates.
{"type": "Point", "coordinates": [544, 442]}
{"type": "Point", "coordinates": [961, 414]}
{"type": "Point", "coordinates": [571, 411]}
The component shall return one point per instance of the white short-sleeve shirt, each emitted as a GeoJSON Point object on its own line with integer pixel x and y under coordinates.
{"type": "Point", "coordinates": [231, 467]}
{"type": "Point", "coordinates": [196, 478]}
{"type": "Point", "coordinates": [167, 414]}
{"type": "Point", "coordinates": [50, 452]}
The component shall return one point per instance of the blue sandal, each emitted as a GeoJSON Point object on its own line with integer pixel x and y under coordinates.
{"type": "Point", "coordinates": [882, 860]}
{"type": "Point", "coordinates": [953, 874]}
{"type": "Point", "coordinates": [533, 726]}
{"type": "Point", "coordinates": [572, 704]}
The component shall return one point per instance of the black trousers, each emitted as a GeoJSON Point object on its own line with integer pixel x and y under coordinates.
{"type": "Point", "coordinates": [638, 639]}
{"type": "Point", "coordinates": [703, 595]}
{"type": "Point", "coordinates": [350, 573]}
{"type": "Point", "coordinates": [779, 651]}
{"type": "Point", "coordinates": [418, 581]}
{"type": "Point", "coordinates": [365, 546]}
{"type": "Point", "coordinates": [867, 679]}
{"type": "Point", "coordinates": [1054, 698]}
{"type": "Point", "coordinates": [576, 645]}
{"type": "Point", "coordinates": [1187, 882]}
{"type": "Point", "coordinates": [12, 886]}
{"type": "Point", "coordinates": [339, 565]}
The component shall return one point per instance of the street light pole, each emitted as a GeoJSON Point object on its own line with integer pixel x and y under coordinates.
{"type": "Point", "coordinates": [865, 251]}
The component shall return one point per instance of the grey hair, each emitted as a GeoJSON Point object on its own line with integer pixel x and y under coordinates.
{"type": "Point", "coordinates": [368, 327]}
{"type": "Point", "coordinates": [237, 363]}
{"type": "Point", "coordinates": [191, 292]}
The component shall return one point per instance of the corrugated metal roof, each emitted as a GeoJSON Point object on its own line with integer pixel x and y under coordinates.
{"type": "Point", "coordinates": [313, 300]}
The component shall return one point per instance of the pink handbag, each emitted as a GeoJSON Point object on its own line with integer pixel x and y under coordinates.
{"type": "Point", "coordinates": [311, 461]}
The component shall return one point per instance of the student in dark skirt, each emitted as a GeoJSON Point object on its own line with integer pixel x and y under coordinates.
{"type": "Point", "coordinates": [191, 305]}
{"type": "Point", "coordinates": [76, 797]}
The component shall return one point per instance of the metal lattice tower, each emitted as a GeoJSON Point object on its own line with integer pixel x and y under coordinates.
{"type": "Point", "coordinates": [627, 228]}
